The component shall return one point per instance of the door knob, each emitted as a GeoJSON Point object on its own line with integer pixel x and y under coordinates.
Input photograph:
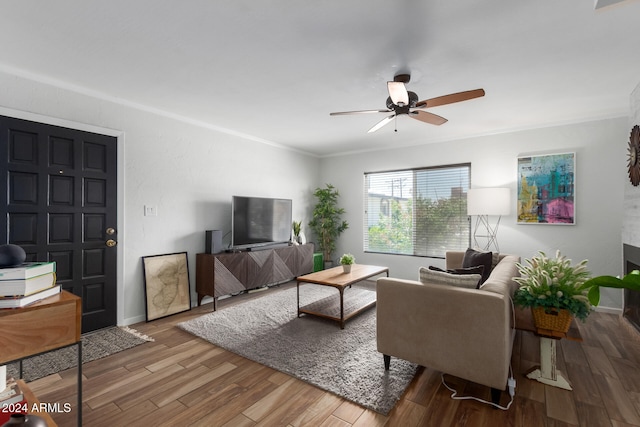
{"type": "Point", "coordinates": [111, 243]}
{"type": "Point", "coordinates": [110, 231]}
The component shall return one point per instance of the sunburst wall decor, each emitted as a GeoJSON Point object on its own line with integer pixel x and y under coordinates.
{"type": "Point", "coordinates": [634, 152]}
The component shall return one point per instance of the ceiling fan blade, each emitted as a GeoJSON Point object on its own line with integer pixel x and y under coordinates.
{"type": "Point", "coordinates": [343, 113]}
{"type": "Point", "coordinates": [451, 98]}
{"type": "Point", "coordinates": [381, 123]}
{"type": "Point", "coordinates": [398, 93]}
{"type": "Point", "coordinates": [427, 117]}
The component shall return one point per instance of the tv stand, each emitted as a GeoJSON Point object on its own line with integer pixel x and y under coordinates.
{"type": "Point", "coordinates": [267, 247]}
{"type": "Point", "coordinates": [232, 273]}
{"type": "Point", "coordinates": [255, 248]}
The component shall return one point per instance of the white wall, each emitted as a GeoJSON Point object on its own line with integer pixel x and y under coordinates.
{"type": "Point", "coordinates": [189, 172]}
{"type": "Point", "coordinates": [600, 163]}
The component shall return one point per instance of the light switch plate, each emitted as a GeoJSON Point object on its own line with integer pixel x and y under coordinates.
{"type": "Point", "coordinates": [150, 210]}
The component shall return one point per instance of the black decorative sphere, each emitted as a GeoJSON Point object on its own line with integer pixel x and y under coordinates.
{"type": "Point", "coordinates": [11, 255]}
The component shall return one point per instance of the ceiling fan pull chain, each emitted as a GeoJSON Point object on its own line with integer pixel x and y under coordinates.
{"type": "Point", "coordinates": [395, 123]}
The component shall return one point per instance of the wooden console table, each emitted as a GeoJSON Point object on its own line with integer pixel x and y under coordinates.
{"type": "Point", "coordinates": [547, 372]}
{"type": "Point", "coordinates": [49, 324]}
{"type": "Point", "coordinates": [232, 273]}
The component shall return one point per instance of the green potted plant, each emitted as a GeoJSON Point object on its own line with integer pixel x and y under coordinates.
{"type": "Point", "coordinates": [326, 222]}
{"type": "Point", "coordinates": [629, 281]}
{"type": "Point", "coordinates": [553, 289]}
{"type": "Point", "coordinates": [297, 227]}
{"type": "Point", "coordinates": [557, 291]}
{"type": "Point", "coordinates": [347, 260]}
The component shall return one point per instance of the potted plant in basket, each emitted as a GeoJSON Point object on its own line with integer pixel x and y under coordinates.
{"type": "Point", "coordinates": [553, 289]}
{"type": "Point", "coordinates": [326, 222]}
{"type": "Point", "coordinates": [557, 291]}
{"type": "Point", "coordinates": [347, 260]}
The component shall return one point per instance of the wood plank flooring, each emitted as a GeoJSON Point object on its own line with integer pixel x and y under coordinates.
{"type": "Point", "coordinates": [181, 380]}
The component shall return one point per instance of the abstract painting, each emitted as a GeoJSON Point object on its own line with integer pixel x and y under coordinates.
{"type": "Point", "coordinates": [166, 285]}
{"type": "Point", "coordinates": [546, 185]}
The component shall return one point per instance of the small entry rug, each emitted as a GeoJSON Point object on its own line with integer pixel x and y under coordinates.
{"type": "Point", "coordinates": [342, 361]}
{"type": "Point", "coordinates": [95, 345]}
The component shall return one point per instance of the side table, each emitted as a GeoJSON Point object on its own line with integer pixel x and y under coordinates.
{"type": "Point", "coordinates": [547, 373]}
{"type": "Point", "coordinates": [31, 400]}
{"type": "Point", "coordinates": [49, 324]}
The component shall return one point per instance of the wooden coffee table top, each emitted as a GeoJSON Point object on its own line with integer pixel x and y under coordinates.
{"type": "Point", "coordinates": [336, 277]}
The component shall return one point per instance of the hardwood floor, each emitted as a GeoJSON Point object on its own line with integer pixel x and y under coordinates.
{"type": "Point", "coordinates": [181, 380]}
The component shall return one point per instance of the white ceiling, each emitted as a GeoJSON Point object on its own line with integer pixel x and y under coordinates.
{"type": "Point", "coordinates": [273, 70]}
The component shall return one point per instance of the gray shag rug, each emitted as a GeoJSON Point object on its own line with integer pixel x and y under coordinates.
{"type": "Point", "coordinates": [342, 361]}
{"type": "Point", "coordinates": [95, 345]}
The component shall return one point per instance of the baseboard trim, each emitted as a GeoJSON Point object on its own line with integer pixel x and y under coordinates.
{"type": "Point", "coordinates": [610, 310]}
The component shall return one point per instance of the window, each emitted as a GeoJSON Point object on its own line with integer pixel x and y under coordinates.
{"type": "Point", "coordinates": [421, 212]}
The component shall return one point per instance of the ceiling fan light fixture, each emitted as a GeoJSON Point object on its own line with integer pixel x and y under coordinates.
{"type": "Point", "coordinates": [398, 93]}
{"type": "Point", "coordinates": [413, 99]}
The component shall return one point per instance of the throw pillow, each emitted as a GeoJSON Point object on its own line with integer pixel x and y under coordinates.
{"type": "Point", "coordinates": [470, 270]}
{"type": "Point", "coordinates": [473, 258]}
{"type": "Point", "coordinates": [433, 277]}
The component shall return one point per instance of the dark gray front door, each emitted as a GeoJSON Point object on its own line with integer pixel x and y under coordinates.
{"type": "Point", "coordinates": [60, 205]}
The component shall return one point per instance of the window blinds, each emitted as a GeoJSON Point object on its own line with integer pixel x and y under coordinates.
{"type": "Point", "coordinates": [421, 212]}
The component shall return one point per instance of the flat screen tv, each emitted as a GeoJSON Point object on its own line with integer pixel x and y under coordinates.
{"type": "Point", "coordinates": [260, 221]}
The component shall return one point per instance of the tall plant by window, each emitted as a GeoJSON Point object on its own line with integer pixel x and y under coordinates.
{"type": "Point", "coordinates": [327, 222]}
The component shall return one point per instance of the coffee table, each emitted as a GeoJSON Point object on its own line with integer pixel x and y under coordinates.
{"type": "Point", "coordinates": [330, 307]}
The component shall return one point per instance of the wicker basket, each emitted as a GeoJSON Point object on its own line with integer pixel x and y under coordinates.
{"type": "Point", "coordinates": [552, 319]}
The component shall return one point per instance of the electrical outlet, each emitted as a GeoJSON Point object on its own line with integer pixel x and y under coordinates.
{"type": "Point", "coordinates": [511, 382]}
{"type": "Point", "coordinates": [150, 210]}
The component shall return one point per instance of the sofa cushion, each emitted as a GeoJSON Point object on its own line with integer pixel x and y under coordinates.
{"type": "Point", "coordinates": [433, 277]}
{"type": "Point", "coordinates": [473, 258]}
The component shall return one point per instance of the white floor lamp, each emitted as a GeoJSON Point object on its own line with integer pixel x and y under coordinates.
{"type": "Point", "coordinates": [485, 202]}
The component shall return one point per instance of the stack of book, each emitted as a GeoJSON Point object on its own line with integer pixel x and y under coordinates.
{"type": "Point", "coordinates": [12, 401]}
{"type": "Point", "coordinates": [27, 283]}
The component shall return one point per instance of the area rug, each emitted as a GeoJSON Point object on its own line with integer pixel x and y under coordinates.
{"type": "Point", "coordinates": [95, 345]}
{"type": "Point", "coordinates": [342, 361]}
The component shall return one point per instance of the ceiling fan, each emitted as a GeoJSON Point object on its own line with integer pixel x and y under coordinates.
{"type": "Point", "coordinates": [401, 102]}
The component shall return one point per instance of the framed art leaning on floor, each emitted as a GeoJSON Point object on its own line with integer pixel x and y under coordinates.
{"type": "Point", "coordinates": [166, 285]}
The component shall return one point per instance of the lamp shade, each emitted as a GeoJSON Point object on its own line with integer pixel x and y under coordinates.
{"type": "Point", "coordinates": [488, 201]}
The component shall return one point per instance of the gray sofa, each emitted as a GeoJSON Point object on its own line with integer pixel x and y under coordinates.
{"type": "Point", "coordinates": [467, 333]}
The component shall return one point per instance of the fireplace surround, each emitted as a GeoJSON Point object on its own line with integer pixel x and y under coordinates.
{"type": "Point", "coordinates": [631, 309]}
